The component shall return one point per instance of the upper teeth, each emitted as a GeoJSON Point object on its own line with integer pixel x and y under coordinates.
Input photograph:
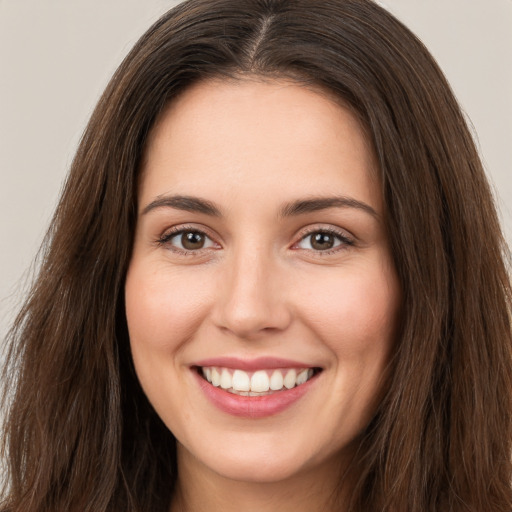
{"type": "Point", "coordinates": [260, 381]}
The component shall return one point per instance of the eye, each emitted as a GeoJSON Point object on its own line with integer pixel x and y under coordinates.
{"type": "Point", "coordinates": [186, 240]}
{"type": "Point", "coordinates": [323, 240]}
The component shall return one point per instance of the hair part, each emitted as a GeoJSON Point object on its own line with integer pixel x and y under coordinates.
{"type": "Point", "coordinates": [81, 436]}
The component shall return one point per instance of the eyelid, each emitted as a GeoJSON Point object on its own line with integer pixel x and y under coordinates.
{"type": "Point", "coordinates": [343, 235]}
{"type": "Point", "coordinates": [169, 233]}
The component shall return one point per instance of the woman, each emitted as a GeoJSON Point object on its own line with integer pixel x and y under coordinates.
{"type": "Point", "coordinates": [275, 280]}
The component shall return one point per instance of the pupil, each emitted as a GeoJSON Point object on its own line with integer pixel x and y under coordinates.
{"type": "Point", "coordinates": [322, 241]}
{"type": "Point", "coordinates": [192, 240]}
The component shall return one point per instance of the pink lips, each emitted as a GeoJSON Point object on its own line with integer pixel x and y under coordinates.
{"type": "Point", "coordinates": [252, 406]}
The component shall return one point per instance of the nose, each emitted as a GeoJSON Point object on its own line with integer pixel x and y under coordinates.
{"type": "Point", "coordinates": [252, 297]}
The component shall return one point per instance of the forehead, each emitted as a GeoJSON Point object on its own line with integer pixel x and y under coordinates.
{"type": "Point", "coordinates": [258, 135]}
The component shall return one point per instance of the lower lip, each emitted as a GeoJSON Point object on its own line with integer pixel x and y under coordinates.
{"type": "Point", "coordinates": [253, 406]}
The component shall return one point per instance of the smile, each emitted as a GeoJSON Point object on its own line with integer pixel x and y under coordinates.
{"type": "Point", "coordinates": [254, 389]}
{"type": "Point", "coordinates": [256, 383]}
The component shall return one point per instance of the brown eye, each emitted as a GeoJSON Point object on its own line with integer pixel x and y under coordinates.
{"type": "Point", "coordinates": [187, 240]}
{"type": "Point", "coordinates": [192, 240]}
{"type": "Point", "coordinates": [323, 241]}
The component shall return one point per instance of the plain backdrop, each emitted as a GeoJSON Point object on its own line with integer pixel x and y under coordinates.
{"type": "Point", "coordinates": [56, 57]}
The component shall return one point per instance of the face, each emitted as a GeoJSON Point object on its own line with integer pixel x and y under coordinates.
{"type": "Point", "coordinates": [261, 297]}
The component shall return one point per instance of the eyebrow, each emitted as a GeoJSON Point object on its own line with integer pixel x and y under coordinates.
{"type": "Point", "coordinates": [294, 208]}
{"type": "Point", "coordinates": [315, 204]}
{"type": "Point", "coordinates": [187, 203]}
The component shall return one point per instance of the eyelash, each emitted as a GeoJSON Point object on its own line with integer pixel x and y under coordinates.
{"type": "Point", "coordinates": [345, 241]}
{"type": "Point", "coordinates": [164, 239]}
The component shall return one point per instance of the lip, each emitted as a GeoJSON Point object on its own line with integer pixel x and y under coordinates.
{"type": "Point", "coordinates": [252, 406]}
{"type": "Point", "coordinates": [251, 365]}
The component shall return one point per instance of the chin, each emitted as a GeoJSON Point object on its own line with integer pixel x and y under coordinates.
{"type": "Point", "coordinates": [255, 468]}
{"type": "Point", "coordinates": [269, 457]}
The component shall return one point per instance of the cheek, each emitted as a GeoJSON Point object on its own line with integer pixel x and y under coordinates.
{"type": "Point", "coordinates": [163, 307]}
{"type": "Point", "coordinates": [356, 312]}
{"type": "Point", "coordinates": [357, 319]}
{"type": "Point", "coordinates": [164, 310]}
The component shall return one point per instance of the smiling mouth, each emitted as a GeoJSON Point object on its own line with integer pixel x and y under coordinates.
{"type": "Point", "coordinates": [257, 383]}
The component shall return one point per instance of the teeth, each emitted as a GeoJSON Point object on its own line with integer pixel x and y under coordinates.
{"type": "Point", "coordinates": [276, 381]}
{"type": "Point", "coordinates": [260, 382]}
{"type": "Point", "coordinates": [215, 377]}
{"type": "Point", "coordinates": [226, 381]}
{"type": "Point", "coordinates": [241, 381]}
{"type": "Point", "coordinates": [289, 380]}
{"type": "Point", "coordinates": [302, 377]}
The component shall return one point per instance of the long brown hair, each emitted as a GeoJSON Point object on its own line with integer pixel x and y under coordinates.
{"type": "Point", "coordinates": [79, 434]}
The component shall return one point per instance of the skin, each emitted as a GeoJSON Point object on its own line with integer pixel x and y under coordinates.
{"type": "Point", "coordinates": [259, 287]}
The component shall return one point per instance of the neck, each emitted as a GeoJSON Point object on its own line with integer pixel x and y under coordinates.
{"type": "Point", "coordinates": [199, 489]}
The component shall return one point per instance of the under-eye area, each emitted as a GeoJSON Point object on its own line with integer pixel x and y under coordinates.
{"type": "Point", "coordinates": [259, 382]}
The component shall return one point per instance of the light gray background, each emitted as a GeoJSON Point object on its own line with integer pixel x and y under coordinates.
{"type": "Point", "coordinates": [56, 57]}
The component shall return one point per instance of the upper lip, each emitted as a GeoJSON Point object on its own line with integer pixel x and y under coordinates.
{"type": "Point", "coordinates": [259, 363]}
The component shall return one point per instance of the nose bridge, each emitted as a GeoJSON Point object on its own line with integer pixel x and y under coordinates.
{"type": "Point", "coordinates": [252, 295]}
